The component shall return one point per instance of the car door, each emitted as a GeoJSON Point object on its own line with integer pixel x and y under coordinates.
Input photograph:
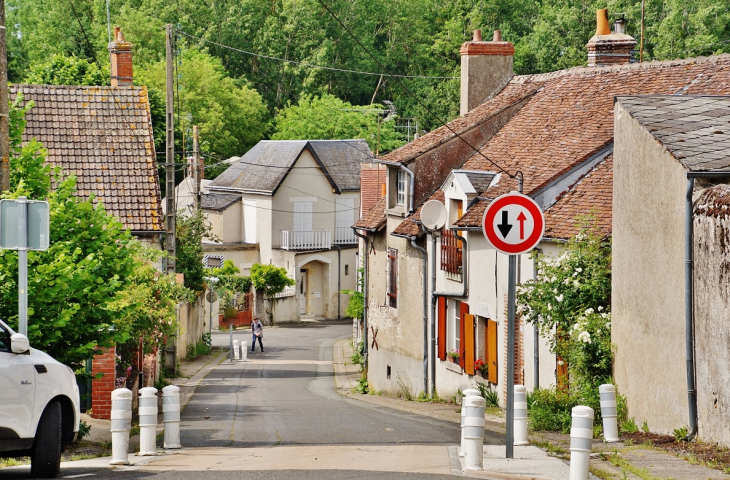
{"type": "Point", "coordinates": [17, 390]}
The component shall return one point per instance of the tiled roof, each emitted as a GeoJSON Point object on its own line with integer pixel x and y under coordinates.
{"type": "Point", "coordinates": [265, 166]}
{"type": "Point", "coordinates": [571, 116]}
{"type": "Point", "coordinates": [103, 135]}
{"type": "Point", "coordinates": [411, 226]}
{"type": "Point", "coordinates": [714, 202]}
{"type": "Point", "coordinates": [695, 129]}
{"type": "Point", "coordinates": [373, 218]}
{"type": "Point", "coordinates": [592, 195]}
{"type": "Point", "coordinates": [218, 201]}
{"type": "Point", "coordinates": [513, 93]}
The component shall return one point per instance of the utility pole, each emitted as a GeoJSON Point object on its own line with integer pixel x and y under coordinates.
{"type": "Point", "coordinates": [4, 120]}
{"type": "Point", "coordinates": [169, 158]}
{"type": "Point", "coordinates": [197, 170]}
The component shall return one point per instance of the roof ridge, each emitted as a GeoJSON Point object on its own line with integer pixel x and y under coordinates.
{"type": "Point", "coordinates": [542, 77]}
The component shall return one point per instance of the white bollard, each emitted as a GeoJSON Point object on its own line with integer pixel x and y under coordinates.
{"type": "Point", "coordinates": [609, 412]}
{"type": "Point", "coordinates": [469, 392]}
{"type": "Point", "coordinates": [171, 416]}
{"type": "Point", "coordinates": [148, 421]}
{"type": "Point", "coordinates": [121, 425]}
{"type": "Point", "coordinates": [236, 350]}
{"type": "Point", "coordinates": [244, 351]}
{"type": "Point", "coordinates": [520, 423]}
{"type": "Point", "coordinates": [473, 432]}
{"type": "Point", "coordinates": [581, 436]}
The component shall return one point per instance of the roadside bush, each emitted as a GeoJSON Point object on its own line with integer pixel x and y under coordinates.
{"type": "Point", "coordinates": [549, 410]}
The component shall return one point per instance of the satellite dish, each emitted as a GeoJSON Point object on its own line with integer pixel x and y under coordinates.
{"type": "Point", "coordinates": [433, 215]}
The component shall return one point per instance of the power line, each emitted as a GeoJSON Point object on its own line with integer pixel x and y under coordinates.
{"type": "Point", "coordinates": [411, 94]}
{"type": "Point", "coordinates": [310, 65]}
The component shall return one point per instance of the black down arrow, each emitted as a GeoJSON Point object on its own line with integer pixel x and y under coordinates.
{"type": "Point", "coordinates": [504, 227]}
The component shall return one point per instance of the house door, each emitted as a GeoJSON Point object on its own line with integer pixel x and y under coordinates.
{"type": "Point", "coordinates": [302, 292]}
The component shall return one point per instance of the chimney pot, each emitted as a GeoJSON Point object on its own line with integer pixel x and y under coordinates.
{"type": "Point", "coordinates": [620, 25]}
{"type": "Point", "coordinates": [602, 27]}
{"type": "Point", "coordinates": [477, 36]}
{"type": "Point", "coordinates": [497, 36]}
{"type": "Point", "coordinates": [606, 47]}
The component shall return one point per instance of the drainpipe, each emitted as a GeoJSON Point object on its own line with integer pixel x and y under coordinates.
{"type": "Point", "coordinates": [689, 309]}
{"type": "Point", "coordinates": [425, 312]}
{"type": "Point", "coordinates": [364, 293]}
{"type": "Point", "coordinates": [411, 182]}
{"type": "Point", "coordinates": [339, 277]}
{"type": "Point", "coordinates": [432, 353]}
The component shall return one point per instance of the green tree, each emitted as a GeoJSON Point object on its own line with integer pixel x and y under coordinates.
{"type": "Point", "coordinates": [230, 283]}
{"type": "Point", "coordinates": [62, 70]}
{"type": "Point", "coordinates": [329, 118]}
{"type": "Point", "coordinates": [268, 280]}
{"type": "Point", "coordinates": [190, 231]}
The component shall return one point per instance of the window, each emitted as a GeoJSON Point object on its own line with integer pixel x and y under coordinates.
{"type": "Point", "coordinates": [400, 188]}
{"type": "Point", "coordinates": [392, 278]}
{"type": "Point", "coordinates": [347, 269]}
{"type": "Point", "coordinates": [450, 252]}
{"type": "Point", "coordinates": [456, 325]}
{"type": "Point", "coordinates": [302, 216]}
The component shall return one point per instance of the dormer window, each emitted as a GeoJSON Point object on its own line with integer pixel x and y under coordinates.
{"type": "Point", "coordinates": [400, 188]}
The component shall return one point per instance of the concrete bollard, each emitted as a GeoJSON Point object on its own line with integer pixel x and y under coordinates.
{"type": "Point", "coordinates": [520, 423]}
{"type": "Point", "coordinates": [171, 416]}
{"type": "Point", "coordinates": [473, 432]}
{"type": "Point", "coordinates": [148, 421]}
{"type": "Point", "coordinates": [244, 351]}
{"type": "Point", "coordinates": [609, 412]}
{"type": "Point", "coordinates": [121, 425]}
{"type": "Point", "coordinates": [581, 435]}
{"type": "Point", "coordinates": [236, 350]}
{"type": "Point", "coordinates": [469, 392]}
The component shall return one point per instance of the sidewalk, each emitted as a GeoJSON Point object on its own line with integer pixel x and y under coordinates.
{"type": "Point", "coordinates": [608, 460]}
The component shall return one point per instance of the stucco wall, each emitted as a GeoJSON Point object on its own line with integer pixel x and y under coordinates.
{"type": "Point", "coordinates": [192, 325]}
{"type": "Point", "coordinates": [712, 313]}
{"type": "Point", "coordinates": [648, 277]}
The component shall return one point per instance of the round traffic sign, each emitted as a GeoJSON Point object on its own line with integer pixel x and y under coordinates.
{"type": "Point", "coordinates": [513, 223]}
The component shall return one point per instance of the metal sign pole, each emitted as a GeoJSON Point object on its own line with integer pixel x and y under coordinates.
{"type": "Point", "coordinates": [511, 287]}
{"type": "Point", "coordinates": [23, 265]}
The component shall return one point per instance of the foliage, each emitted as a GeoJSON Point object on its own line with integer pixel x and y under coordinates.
{"type": "Point", "coordinates": [490, 395]}
{"type": "Point", "coordinates": [550, 410]}
{"type": "Point", "coordinates": [230, 284]}
{"type": "Point", "coordinates": [189, 249]}
{"type": "Point", "coordinates": [270, 279]}
{"type": "Point", "coordinates": [481, 366]}
{"type": "Point", "coordinates": [362, 384]}
{"type": "Point", "coordinates": [66, 70]}
{"type": "Point", "coordinates": [84, 430]}
{"type": "Point", "coordinates": [326, 117]}
{"type": "Point", "coordinates": [356, 304]}
{"type": "Point", "coordinates": [645, 427]}
{"type": "Point", "coordinates": [680, 434]}
{"type": "Point", "coordinates": [357, 357]}
{"type": "Point", "coordinates": [198, 349]}
{"type": "Point", "coordinates": [629, 426]}
{"type": "Point", "coordinates": [454, 354]}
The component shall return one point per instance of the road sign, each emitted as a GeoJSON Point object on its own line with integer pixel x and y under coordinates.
{"type": "Point", "coordinates": [513, 223]}
{"type": "Point", "coordinates": [37, 225]}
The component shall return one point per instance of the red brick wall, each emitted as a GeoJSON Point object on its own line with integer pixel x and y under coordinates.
{"type": "Point", "coordinates": [101, 388]}
{"type": "Point", "coordinates": [519, 377]}
{"type": "Point", "coordinates": [372, 181]}
{"type": "Point", "coordinates": [121, 60]}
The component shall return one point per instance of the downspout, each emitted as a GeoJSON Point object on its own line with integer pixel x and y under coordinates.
{"type": "Point", "coordinates": [425, 312]}
{"type": "Point", "coordinates": [364, 294]}
{"type": "Point", "coordinates": [689, 309]}
{"type": "Point", "coordinates": [432, 353]}
{"type": "Point", "coordinates": [339, 277]}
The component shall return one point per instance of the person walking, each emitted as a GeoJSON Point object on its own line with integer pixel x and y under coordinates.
{"type": "Point", "coordinates": [258, 333]}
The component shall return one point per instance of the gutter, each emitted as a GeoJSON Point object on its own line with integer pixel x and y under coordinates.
{"type": "Point", "coordinates": [425, 310]}
{"type": "Point", "coordinates": [364, 291]}
{"type": "Point", "coordinates": [411, 182]}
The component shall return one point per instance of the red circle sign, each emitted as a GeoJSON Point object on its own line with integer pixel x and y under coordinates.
{"type": "Point", "coordinates": [513, 223]}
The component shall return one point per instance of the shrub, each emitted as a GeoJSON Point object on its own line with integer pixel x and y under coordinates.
{"type": "Point", "coordinates": [491, 396]}
{"type": "Point", "coordinates": [549, 410]}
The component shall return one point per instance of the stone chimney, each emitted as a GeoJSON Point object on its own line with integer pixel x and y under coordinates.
{"type": "Point", "coordinates": [121, 60]}
{"type": "Point", "coordinates": [486, 68]}
{"type": "Point", "coordinates": [607, 47]}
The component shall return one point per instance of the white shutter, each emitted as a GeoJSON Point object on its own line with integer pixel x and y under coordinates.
{"type": "Point", "coordinates": [249, 219]}
{"type": "Point", "coordinates": [345, 214]}
{"type": "Point", "coordinates": [303, 216]}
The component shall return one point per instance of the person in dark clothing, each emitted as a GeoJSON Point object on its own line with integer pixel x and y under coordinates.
{"type": "Point", "coordinates": [258, 333]}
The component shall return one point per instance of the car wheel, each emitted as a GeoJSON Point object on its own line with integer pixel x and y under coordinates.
{"type": "Point", "coordinates": [46, 454]}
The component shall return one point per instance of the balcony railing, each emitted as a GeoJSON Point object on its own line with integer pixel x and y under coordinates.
{"type": "Point", "coordinates": [314, 240]}
{"type": "Point", "coordinates": [345, 236]}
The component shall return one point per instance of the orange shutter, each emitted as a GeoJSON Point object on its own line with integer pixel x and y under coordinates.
{"type": "Point", "coordinates": [491, 343]}
{"type": "Point", "coordinates": [562, 374]}
{"type": "Point", "coordinates": [469, 352]}
{"type": "Point", "coordinates": [463, 310]}
{"type": "Point", "coordinates": [442, 327]}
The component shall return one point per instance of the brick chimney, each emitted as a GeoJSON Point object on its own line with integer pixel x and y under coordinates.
{"type": "Point", "coordinates": [121, 59]}
{"type": "Point", "coordinates": [486, 68]}
{"type": "Point", "coordinates": [607, 47]}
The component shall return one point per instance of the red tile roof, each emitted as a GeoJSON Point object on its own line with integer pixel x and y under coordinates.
{"type": "Point", "coordinates": [411, 226]}
{"type": "Point", "coordinates": [373, 218]}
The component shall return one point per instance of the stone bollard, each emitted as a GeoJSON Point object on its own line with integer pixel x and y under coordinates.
{"type": "Point", "coordinates": [581, 435]}
{"type": "Point", "coordinates": [236, 350]}
{"type": "Point", "coordinates": [473, 432]}
{"type": "Point", "coordinates": [609, 412]}
{"type": "Point", "coordinates": [520, 423]}
{"type": "Point", "coordinates": [148, 421]}
{"type": "Point", "coordinates": [244, 351]}
{"type": "Point", "coordinates": [121, 425]}
{"type": "Point", "coordinates": [171, 416]}
{"type": "Point", "coordinates": [469, 392]}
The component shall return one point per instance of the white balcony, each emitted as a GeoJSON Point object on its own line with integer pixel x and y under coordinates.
{"type": "Point", "coordinates": [345, 236]}
{"type": "Point", "coordinates": [312, 240]}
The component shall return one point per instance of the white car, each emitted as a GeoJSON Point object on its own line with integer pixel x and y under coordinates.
{"type": "Point", "coordinates": [39, 404]}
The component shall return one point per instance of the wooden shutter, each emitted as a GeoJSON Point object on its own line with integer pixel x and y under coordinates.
{"type": "Point", "coordinates": [469, 351]}
{"type": "Point", "coordinates": [491, 343]}
{"type": "Point", "coordinates": [463, 310]}
{"type": "Point", "coordinates": [561, 372]}
{"type": "Point", "coordinates": [442, 327]}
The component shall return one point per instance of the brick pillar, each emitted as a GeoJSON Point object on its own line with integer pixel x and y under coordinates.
{"type": "Point", "coordinates": [121, 60]}
{"type": "Point", "coordinates": [519, 350]}
{"type": "Point", "coordinates": [105, 365]}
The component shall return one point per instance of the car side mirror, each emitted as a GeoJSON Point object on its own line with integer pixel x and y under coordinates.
{"type": "Point", "coordinates": [19, 343]}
